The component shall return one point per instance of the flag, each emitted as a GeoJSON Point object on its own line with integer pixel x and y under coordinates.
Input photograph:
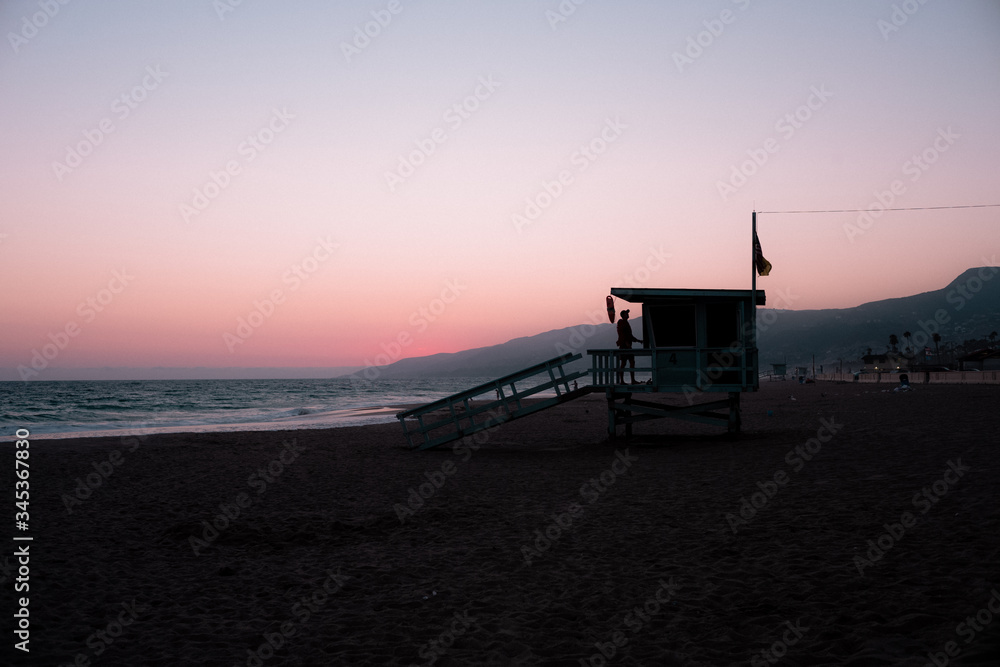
{"type": "Point", "coordinates": [763, 266]}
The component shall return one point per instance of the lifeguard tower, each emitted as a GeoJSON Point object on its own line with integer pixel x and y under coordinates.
{"type": "Point", "coordinates": [697, 343]}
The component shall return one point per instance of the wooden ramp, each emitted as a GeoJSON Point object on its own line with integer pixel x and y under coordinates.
{"type": "Point", "coordinates": [459, 415]}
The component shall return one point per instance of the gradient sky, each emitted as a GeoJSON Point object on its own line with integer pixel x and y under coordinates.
{"type": "Point", "coordinates": [674, 98]}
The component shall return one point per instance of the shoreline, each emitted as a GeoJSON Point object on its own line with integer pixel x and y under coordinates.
{"type": "Point", "coordinates": [389, 412]}
{"type": "Point", "coordinates": [347, 417]}
{"type": "Point", "coordinates": [310, 415]}
{"type": "Point", "coordinates": [344, 418]}
{"type": "Point", "coordinates": [361, 416]}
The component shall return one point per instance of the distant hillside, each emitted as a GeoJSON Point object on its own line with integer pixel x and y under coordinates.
{"type": "Point", "coordinates": [498, 360]}
{"type": "Point", "coordinates": [969, 307]}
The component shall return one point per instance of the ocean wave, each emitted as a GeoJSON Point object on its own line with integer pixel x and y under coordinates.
{"type": "Point", "coordinates": [72, 409]}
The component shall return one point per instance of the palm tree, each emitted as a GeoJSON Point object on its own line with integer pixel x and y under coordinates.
{"type": "Point", "coordinates": [993, 337]}
{"type": "Point", "coordinates": [937, 350]}
{"type": "Point", "coordinates": [893, 341]}
{"type": "Point", "coordinates": [907, 335]}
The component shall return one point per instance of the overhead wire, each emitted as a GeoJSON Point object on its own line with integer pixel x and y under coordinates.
{"type": "Point", "coordinates": [879, 210]}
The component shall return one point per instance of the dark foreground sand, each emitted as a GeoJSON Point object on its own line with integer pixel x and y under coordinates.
{"type": "Point", "coordinates": [547, 545]}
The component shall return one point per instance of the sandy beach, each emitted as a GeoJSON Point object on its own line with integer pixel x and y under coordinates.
{"type": "Point", "coordinates": [848, 526]}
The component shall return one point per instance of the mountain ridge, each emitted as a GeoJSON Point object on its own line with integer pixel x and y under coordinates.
{"type": "Point", "coordinates": [969, 306]}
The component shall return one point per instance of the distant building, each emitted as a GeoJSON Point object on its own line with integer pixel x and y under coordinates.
{"type": "Point", "coordinates": [980, 360]}
{"type": "Point", "coordinates": [884, 363]}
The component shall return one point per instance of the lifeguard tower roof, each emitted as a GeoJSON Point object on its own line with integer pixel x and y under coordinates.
{"type": "Point", "coordinates": [647, 295]}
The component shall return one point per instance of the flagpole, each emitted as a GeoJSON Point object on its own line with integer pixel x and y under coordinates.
{"type": "Point", "coordinates": [753, 276]}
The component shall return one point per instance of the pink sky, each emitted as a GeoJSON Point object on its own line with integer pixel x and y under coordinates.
{"type": "Point", "coordinates": [295, 141]}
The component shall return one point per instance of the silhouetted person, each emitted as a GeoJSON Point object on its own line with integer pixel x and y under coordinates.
{"type": "Point", "coordinates": [625, 340]}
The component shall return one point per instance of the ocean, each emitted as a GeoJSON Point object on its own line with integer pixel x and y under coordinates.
{"type": "Point", "coordinates": [118, 407]}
